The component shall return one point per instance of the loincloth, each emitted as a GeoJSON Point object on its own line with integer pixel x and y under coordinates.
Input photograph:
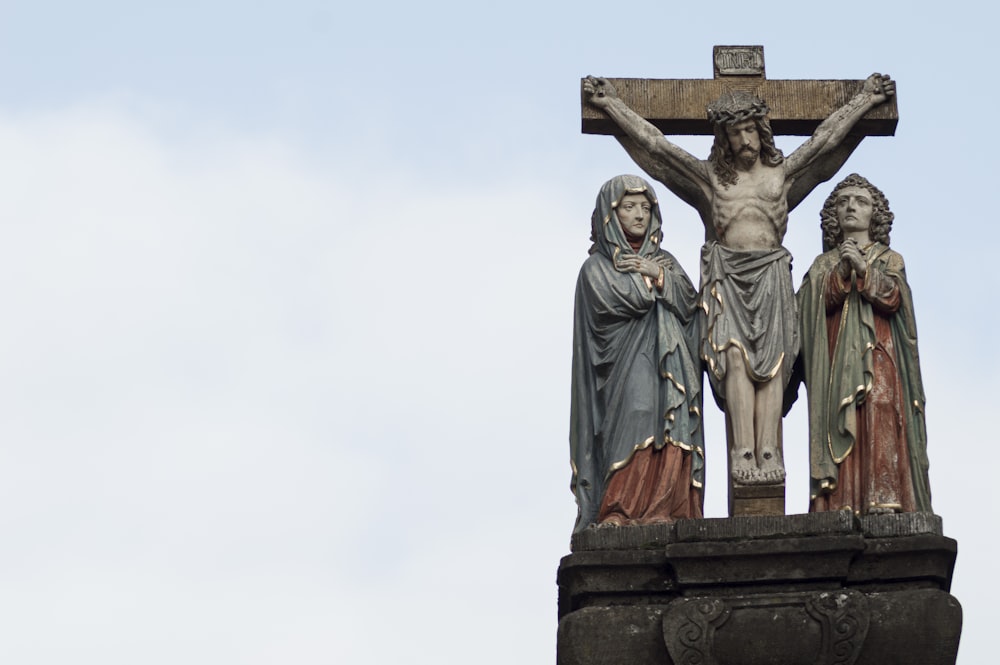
{"type": "Point", "coordinates": [748, 303]}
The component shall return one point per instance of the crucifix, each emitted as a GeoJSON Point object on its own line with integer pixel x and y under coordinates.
{"type": "Point", "coordinates": [743, 193]}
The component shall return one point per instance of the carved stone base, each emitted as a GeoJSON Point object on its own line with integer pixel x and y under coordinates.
{"type": "Point", "coordinates": [823, 589]}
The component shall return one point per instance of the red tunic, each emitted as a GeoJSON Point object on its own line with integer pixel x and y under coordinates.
{"type": "Point", "coordinates": [875, 475]}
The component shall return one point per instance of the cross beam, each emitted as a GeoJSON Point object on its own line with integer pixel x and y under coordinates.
{"type": "Point", "coordinates": [677, 106]}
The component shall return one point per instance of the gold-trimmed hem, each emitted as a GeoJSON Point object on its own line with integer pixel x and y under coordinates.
{"type": "Point", "coordinates": [719, 350]}
{"type": "Point", "coordinates": [621, 464]}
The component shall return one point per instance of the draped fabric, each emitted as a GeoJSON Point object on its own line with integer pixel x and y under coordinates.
{"type": "Point", "coordinates": [636, 379]}
{"type": "Point", "coordinates": [867, 436]}
{"type": "Point", "coordinates": [749, 303]}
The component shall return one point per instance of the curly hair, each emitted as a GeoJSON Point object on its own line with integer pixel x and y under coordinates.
{"type": "Point", "coordinates": [722, 157]}
{"type": "Point", "coordinates": [881, 222]}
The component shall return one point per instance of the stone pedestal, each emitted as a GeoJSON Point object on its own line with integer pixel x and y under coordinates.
{"type": "Point", "coordinates": [756, 499]}
{"type": "Point", "coordinates": [818, 589]}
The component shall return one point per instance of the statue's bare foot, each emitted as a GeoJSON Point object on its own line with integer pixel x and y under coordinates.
{"type": "Point", "coordinates": [744, 468]}
{"type": "Point", "coordinates": [772, 469]}
{"type": "Point", "coordinates": [611, 521]}
{"type": "Point", "coordinates": [881, 510]}
{"type": "Point", "coordinates": [756, 477]}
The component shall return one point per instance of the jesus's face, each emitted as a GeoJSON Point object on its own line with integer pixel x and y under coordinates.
{"type": "Point", "coordinates": [744, 140]}
{"type": "Point", "coordinates": [634, 211]}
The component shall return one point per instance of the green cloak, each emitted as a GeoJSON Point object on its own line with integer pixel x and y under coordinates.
{"type": "Point", "coordinates": [835, 387]}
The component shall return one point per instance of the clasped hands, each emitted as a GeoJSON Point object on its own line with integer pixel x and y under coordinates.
{"type": "Point", "coordinates": [648, 267]}
{"type": "Point", "coordinates": [852, 258]}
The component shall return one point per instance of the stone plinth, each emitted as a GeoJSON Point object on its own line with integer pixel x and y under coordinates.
{"type": "Point", "coordinates": [819, 589]}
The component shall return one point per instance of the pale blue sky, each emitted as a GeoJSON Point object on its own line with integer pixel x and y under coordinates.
{"type": "Point", "coordinates": [287, 308]}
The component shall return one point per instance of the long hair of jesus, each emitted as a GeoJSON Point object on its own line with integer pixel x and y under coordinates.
{"type": "Point", "coordinates": [723, 160]}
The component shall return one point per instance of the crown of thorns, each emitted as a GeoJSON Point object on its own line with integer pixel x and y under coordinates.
{"type": "Point", "coordinates": [736, 106]}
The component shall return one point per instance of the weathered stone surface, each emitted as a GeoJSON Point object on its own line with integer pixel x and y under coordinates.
{"type": "Point", "coordinates": [901, 524]}
{"type": "Point", "coordinates": [816, 589]}
{"type": "Point", "coordinates": [612, 636]}
{"type": "Point", "coordinates": [912, 626]}
{"type": "Point", "coordinates": [656, 536]}
{"type": "Point", "coordinates": [634, 537]}
{"type": "Point", "coordinates": [614, 578]}
{"type": "Point", "coordinates": [770, 526]}
{"type": "Point", "coordinates": [924, 560]}
{"type": "Point", "coordinates": [825, 628]}
{"type": "Point", "coordinates": [781, 560]}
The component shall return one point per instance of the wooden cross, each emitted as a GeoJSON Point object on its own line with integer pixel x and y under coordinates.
{"type": "Point", "coordinates": [677, 106]}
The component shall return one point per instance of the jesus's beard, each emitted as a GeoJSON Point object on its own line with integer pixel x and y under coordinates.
{"type": "Point", "coordinates": [747, 157]}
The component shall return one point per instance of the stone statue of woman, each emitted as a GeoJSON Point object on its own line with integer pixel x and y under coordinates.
{"type": "Point", "coordinates": [635, 433]}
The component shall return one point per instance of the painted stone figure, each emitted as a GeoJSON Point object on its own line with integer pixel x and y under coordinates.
{"type": "Point", "coordinates": [743, 192]}
{"type": "Point", "coordinates": [635, 431]}
{"type": "Point", "coordinates": [867, 438]}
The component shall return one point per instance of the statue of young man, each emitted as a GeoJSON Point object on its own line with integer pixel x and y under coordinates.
{"type": "Point", "coordinates": [867, 438]}
{"type": "Point", "coordinates": [743, 192]}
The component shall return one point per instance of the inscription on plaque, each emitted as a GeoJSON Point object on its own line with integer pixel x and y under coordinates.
{"type": "Point", "coordinates": [739, 60]}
